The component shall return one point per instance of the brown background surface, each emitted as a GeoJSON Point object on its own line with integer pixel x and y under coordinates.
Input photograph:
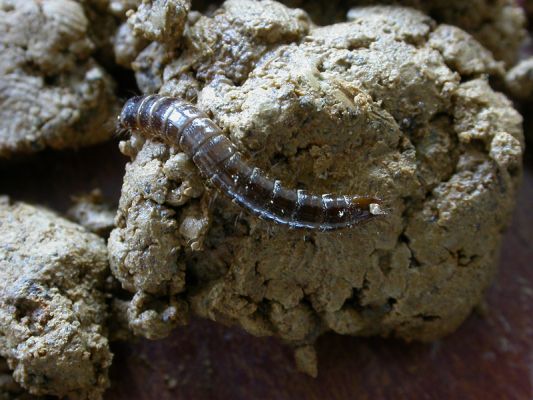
{"type": "Point", "coordinates": [489, 357]}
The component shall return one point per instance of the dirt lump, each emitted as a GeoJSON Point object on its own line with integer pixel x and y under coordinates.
{"type": "Point", "coordinates": [53, 93]}
{"type": "Point", "coordinates": [52, 305]}
{"type": "Point", "coordinates": [390, 103]}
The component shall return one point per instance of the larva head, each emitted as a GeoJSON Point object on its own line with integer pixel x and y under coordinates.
{"type": "Point", "coordinates": [128, 116]}
{"type": "Point", "coordinates": [365, 208]}
{"type": "Point", "coordinates": [366, 203]}
{"type": "Point", "coordinates": [347, 211]}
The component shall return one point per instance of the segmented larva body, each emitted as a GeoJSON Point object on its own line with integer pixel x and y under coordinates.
{"type": "Point", "coordinates": [179, 123]}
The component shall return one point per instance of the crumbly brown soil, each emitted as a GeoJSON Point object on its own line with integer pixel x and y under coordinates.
{"type": "Point", "coordinates": [161, 20]}
{"type": "Point", "coordinates": [391, 103]}
{"type": "Point", "coordinates": [52, 305]}
{"type": "Point", "coordinates": [53, 92]}
{"type": "Point", "coordinates": [519, 79]}
{"type": "Point", "coordinates": [519, 85]}
{"type": "Point", "coordinates": [93, 213]}
{"type": "Point", "coordinates": [497, 24]}
{"type": "Point", "coordinates": [9, 389]}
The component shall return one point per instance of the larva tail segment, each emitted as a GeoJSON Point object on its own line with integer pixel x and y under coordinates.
{"type": "Point", "coordinates": [181, 124]}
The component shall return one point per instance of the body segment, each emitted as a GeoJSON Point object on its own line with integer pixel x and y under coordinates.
{"type": "Point", "coordinates": [179, 123]}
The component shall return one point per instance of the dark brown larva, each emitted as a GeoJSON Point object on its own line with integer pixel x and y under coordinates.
{"type": "Point", "coordinates": [179, 123]}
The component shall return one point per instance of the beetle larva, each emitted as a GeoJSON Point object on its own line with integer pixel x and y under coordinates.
{"type": "Point", "coordinates": [179, 123]}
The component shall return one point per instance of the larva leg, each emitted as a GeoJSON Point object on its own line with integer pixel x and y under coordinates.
{"type": "Point", "coordinates": [179, 123]}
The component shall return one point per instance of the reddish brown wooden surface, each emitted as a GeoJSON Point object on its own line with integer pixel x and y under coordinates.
{"type": "Point", "coordinates": [490, 357]}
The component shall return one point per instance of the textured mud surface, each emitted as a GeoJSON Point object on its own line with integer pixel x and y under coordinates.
{"type": "Point", "coordinates": [519, 82]}
{"type": "Point", "coordinates": [9, 389]}
{"type": "Point", "coordinates": [52, 305]}
{"type": "Point", "coordinates": [160, 20]}
{"type": "Point", "coordinates": [390, 103]}
{"type": "Point", "coordinates": [498, 25]}
{"type": "Point", "coordinates": [520, 79]}
{"type": "Point", "coordinates": [93, 213]}
{"type": "Point", "coordinates": [52, 91]}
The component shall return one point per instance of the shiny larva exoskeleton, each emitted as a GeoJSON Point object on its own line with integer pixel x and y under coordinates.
{"type": "Point", "coordinates": [179, 123]}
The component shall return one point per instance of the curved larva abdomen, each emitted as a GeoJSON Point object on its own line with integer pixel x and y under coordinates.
{"type": "Point", "coordinates": [179, 123]}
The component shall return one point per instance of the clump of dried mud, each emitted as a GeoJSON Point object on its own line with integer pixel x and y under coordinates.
{"type": "Point", "coordinates": [52, 304]}
{"type": "Point", "coordinates": [9, 389]}
{"type": "Point", "coordinates": [52, 91]}
{"type": "Point", "coordinates": [93, 213]}
{"type": "Point", "coordinates": [498, 25]}
{"type": "Point", "coordinates": [390, 103]}
{"type": "Point", "coordinates": [519, 84]}
{"type": "Point", "coordinates": [519, 79]}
